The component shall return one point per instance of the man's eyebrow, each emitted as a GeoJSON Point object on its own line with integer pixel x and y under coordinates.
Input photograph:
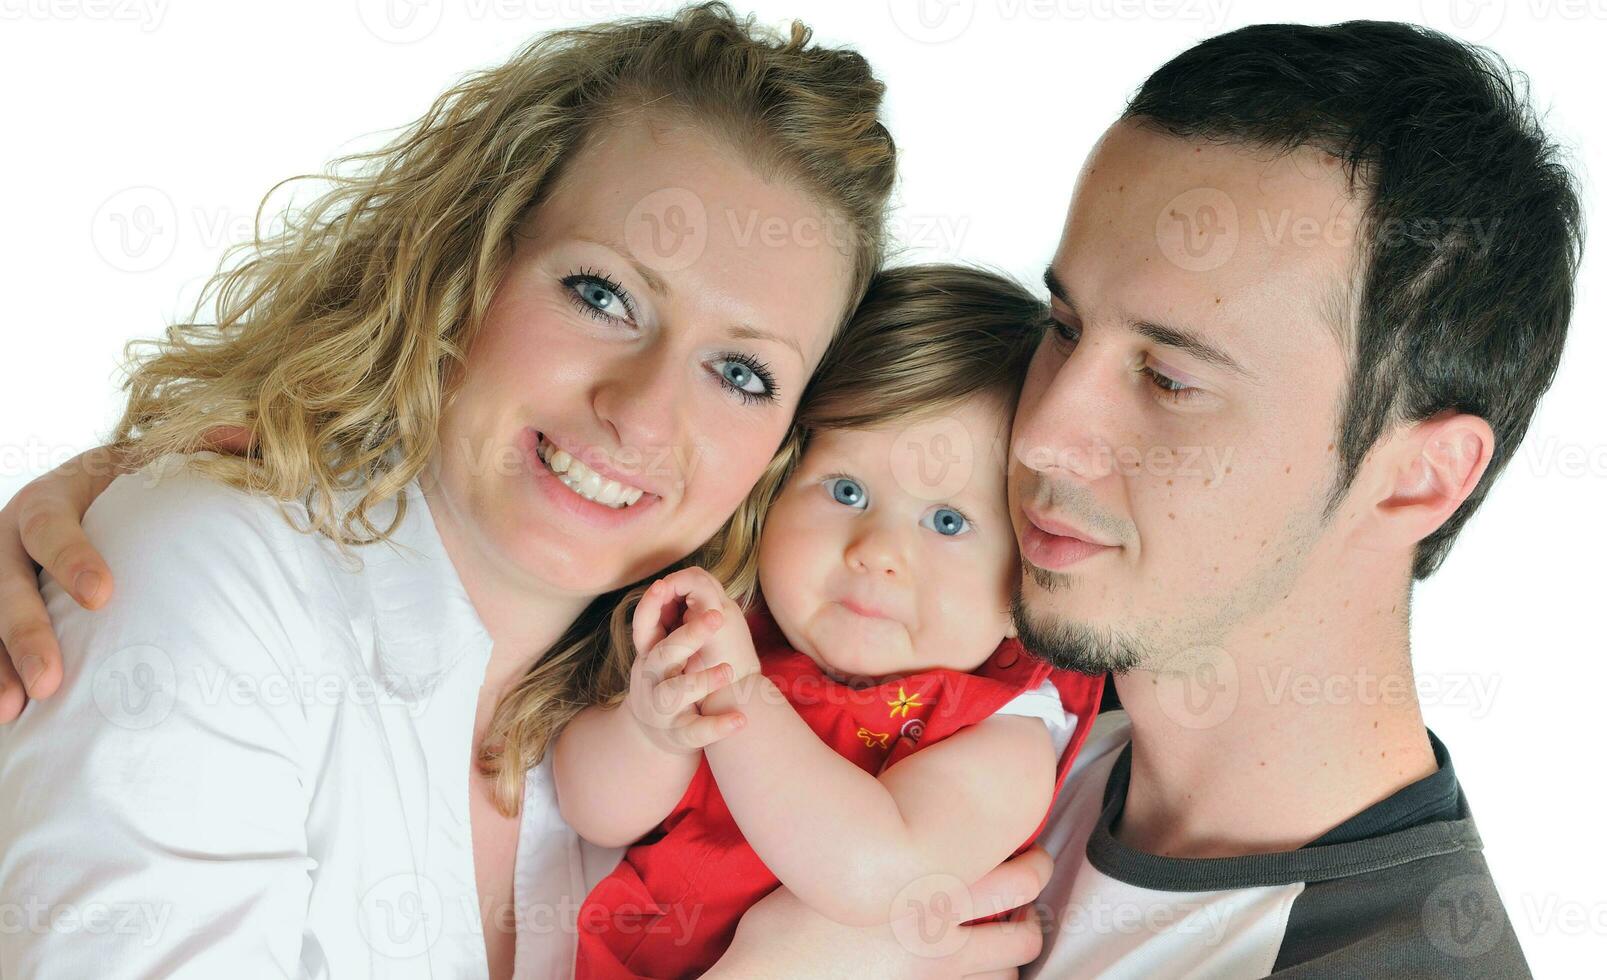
{"type": "Point", "coordinates": [1178, 339]}
{"type": "Point", "coordinates": [1056, 288]}
{"type": "Point", "coordinates": [1189, 343]}
{"type": "Point", "coordinates": [746, 331]}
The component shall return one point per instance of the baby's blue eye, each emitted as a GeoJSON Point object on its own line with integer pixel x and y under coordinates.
{"type": "Point", "coordinates": [846, 491]}
{"type": "Point", "coordinates": [946, 521]}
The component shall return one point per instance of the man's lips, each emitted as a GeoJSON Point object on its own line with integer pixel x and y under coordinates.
{"type": "Point", "coordinates": [1055, 545]}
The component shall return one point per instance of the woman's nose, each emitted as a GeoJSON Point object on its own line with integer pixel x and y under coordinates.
{"type": "Point", "coordinates": [644, 401]}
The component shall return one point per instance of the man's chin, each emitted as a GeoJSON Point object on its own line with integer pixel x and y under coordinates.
{"type": "Point", "coordinates": [1074, 644]}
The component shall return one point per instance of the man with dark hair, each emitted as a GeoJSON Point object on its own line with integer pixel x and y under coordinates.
{"type": "Point", "coordinates": [1311, 287]}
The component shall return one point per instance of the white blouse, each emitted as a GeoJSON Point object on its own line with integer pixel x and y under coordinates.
{"type": "Point", "coordinates": [258, 760]}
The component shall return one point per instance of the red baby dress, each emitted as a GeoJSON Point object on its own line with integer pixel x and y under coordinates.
{"type": "Point", "coordinates": [671, 906]}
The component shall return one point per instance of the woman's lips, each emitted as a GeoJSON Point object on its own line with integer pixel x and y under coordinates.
{"type": "Point", "coordinates": [569, 503]}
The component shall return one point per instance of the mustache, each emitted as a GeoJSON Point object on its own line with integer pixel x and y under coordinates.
{"type": "Point", "coordinates": [1076, 504]}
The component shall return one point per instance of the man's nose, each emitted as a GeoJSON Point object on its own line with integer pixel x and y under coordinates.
{"type": "Point", "coordinates": [1068, 415]}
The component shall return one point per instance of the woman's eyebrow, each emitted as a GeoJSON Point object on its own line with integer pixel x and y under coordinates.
{"type": "Point", "coordinates": [747, 331]}
{"type": "Point", "coordinates": [654, 281]}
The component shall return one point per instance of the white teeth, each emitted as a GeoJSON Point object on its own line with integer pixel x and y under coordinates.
{"type": "Point", "coordinates": [585, 481]}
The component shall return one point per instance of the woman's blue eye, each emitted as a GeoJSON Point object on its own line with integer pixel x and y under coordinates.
{"type": "Point", "coordinates": [743, 378]}
{"type": "Point", "coordinates": [946, 521]}
{"type": "Point", "coordinates": [846, 491]}
{"type": "Point", "coordinates": [598, 296]}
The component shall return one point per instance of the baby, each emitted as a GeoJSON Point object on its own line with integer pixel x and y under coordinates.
{"type": "Point", "coordinates": [874, 734]}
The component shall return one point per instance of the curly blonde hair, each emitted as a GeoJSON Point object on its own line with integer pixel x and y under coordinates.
{"type": "Point", "coordinates": [339, 339]}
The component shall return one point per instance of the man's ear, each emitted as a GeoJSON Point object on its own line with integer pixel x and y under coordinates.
{"type": "Point", "coordinates": [1423, 473]}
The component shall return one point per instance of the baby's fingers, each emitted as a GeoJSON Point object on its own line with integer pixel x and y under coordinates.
{"type": "Point", "coordinates": [652, 618]}
{"type": "Point", "coordinates": [678, 693]}
{"type": "Point", "coordinates": [705, 730]}
{"type": "Point", "coordinates": [669, 657]}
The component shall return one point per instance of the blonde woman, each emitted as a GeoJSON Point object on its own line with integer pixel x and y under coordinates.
{"type": "Point", "coordinates": [300, 736]}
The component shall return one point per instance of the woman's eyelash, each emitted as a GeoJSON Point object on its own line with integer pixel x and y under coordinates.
{"type": "Point", "coordinates": [761, 370]}
{"type": "Point", "coordinates": [597, 278]}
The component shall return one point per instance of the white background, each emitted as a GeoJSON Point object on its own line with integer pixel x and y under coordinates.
{"type": "Point", "coordinates": [139, 135]}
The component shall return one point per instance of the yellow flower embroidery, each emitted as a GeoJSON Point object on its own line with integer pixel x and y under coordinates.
{"type": "Point", "coordinates": [901, 707]}
{"type": "Point", "coordinates": [873, 738]}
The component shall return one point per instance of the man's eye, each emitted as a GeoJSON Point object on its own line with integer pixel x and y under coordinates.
{"type": "Point", "coordinates": [1169, 388]}
{"type": "Point", "coordinates": [1067, 334]}
{"type": "Point", "coordinates": [846, 492]}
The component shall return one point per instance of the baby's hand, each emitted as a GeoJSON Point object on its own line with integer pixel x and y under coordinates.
{"type": "Point", "coordinates": [668, 679]}
{"type": "Point", "coordinates": [677, 597]}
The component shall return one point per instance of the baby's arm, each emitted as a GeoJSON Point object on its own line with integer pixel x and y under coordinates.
{"type": "Point", "coordinates": [619, 770]}
{"type": "Point", "coordinates": [846, 842]}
